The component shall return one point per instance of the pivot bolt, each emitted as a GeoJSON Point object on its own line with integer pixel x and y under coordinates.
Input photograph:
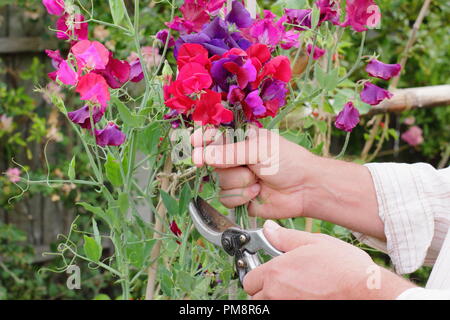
{"type": "Point", "coordinates": [241, 264]}
{"type": "Point", "coordinates": [242, 238]}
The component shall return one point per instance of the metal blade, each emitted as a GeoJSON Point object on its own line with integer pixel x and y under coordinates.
{"type": "Point", "coordinates": [209, 222]}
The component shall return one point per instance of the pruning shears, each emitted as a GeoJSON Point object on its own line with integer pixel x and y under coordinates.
{"type": "Point", "coordinates": [242, 244]}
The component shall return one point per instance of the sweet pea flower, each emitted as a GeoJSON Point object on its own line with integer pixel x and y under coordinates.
{"type": "Point", "coordinates": [110, 136]}
{"type": "Point", "coordinates": [318, 53]}
{"type": "Point", "coordinates": [382, 70]}
{"type": "Point", "coordinates": [300, 18]}
{"type": "Point", "coordinates": [13, 174]}
{"type": "Point", "coordinates": [66, 74]}
{"type": "Point", "coordinates": [239, 15]}
{"type": "Point", "coordinates": [162, 36]}
{"type": "Point", "coordinates": [194, 17]}
{"type": "Point", "coordinates": [72, 27]}
{"type": "Point", "coordinates": [348, 118]}
{"type": "Point", "coordinates": [244, 74]}
{"type": "Point", "coordinates": [279, 68]}
{"type": "Point", "coordinates": [329, 11]}
{"type": "Point", "coordinates": [93, 87]}
{"type": "Point", "coordinates": [6, 123]}
{"type": "Point", "coordinates": [290, 40]}
{"type": "Point", "coordinates": [209, 109]}
{"type": "Point", "coordinates": [91, 54]}
{"type": "Point", "coordinates": [362, 14]}
{"type": "Point", "coordinates": [413, 136]}
{"type": "Point", "coordinates": [136, 72]}
{"type": "Point", "coordinates": [273, 93]}
{"type": "Point", "coordinates": [194, 77]}
{"type": "Point", "coordinates": [175, 230]}
{"type": "Point", "coordinates": [82, 116]}
{"type": "Point", "coordinates": [254, 102]}
{"type": "Point", "coordinates": [54, 7]}
{"type": "Point", "coordinates": [373, 95]}
{"type": "Point", "coordinates": [192, 52]}
{"type": "Point", "coordinates": [116, 72]}
{"type": "Point", "coordinates": [56, 61]}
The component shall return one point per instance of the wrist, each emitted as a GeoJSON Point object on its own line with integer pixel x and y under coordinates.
{"type": "Point", "coordinates": [390, 287]}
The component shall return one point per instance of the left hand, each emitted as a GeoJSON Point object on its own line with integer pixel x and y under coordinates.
{"type": "Point", "coordinates": [317, 266]}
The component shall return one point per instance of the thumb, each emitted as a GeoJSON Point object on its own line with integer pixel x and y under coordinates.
{"type": "Point", "coordinates": [286, 239]}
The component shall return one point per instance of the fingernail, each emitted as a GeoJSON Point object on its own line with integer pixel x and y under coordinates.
{"type": "Point", "coordinates": [270, 225]}
{"type": "Point", "coordinates": [255, 188]}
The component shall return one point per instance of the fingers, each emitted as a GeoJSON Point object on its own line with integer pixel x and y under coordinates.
{"type": "Point", "coordinates": [235, 197]}
{"type": "Point", "coordinates": [233, 178]}
{"type": "Point", "coordinates": [254, 280]}
{"type": "Point", "coordinates": [286, 239]}
{"type": "Point", "coordinates": [202, 137]}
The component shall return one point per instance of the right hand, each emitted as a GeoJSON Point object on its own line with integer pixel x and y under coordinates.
{"type": "Point", "coordinates": [272, 180]}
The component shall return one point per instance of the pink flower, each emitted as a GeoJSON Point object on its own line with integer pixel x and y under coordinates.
{"type": "Point", "coordinates": [6, 123]}
{"type": "Point", "coordinates": [56, 61]}
{"type": "Point", "coordinates": [151, 56]}
{"type": "Point", "coordinates": [13, 174]}
{"type": "Point", "coordinates": [82, 116]}
{"type": "Point", "coordinates": [110, 136]}
{"type": "Point", "coordinates": [54, 7]}
{"type": "Point", "coordinates": [72, 27]}
{"type": "Point", "coordinates": [373, 95]}
{"type": "Point", "coordinates": [175, 230]}
{"type": "Point", "coordinates": [93, 87]}
{"type": "Point", "coordinates": [413, 136]}
{"type": "Point", "coordinates": [362, 14]}
{"type": "Point", "coordinates": [194, 77]}
{"type": "Point", "coordinates": [289, 40]}
{"type": "Point", "coordinates": [329, 11]}
{"type": "Point", "coordinates": [409, 121]}
{"type": "Point", "coordinates": [209, 110]}
{"type": "Point", "coordinates": [382, 70]}
{"type": "Point", "coordinates": [91, 54]}
{"type": "Point", "coordinates": [348, 118]}
{"type": "Point", "coordinates": [66, 74]}
{"type": "Point", "coordinates": [162, 36]}
{"type": "Point", "coordinates": [136, 72]}
{"type": "Point", "coordinates": [116, 73]}
{"type": "Point", "coordinates": [318, 53]}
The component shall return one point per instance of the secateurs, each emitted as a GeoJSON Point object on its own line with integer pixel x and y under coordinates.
{"type": "Point", "coordinates": [242, 244]}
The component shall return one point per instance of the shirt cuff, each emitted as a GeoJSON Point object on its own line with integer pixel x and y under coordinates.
{"type": "Point", "coordinates": [424, 294]}
{"type": "Point", "coordinates": [408, 221]}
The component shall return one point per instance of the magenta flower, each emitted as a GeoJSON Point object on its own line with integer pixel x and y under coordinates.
{"type": "Point", "coordinates": [136, 72]}
{"type": "Point", "coordinates": [265, 31]}
{"type": "Point", "coordinates": [162, 36]}
{"type": "Point", "coordinates": [175, 230]}
{"type": "Point", "coordinates": [13, 174]}
{"type": "Point", "coordinates": [300, 18]}
{"type": "Point", "coordinates": [54, 7]}
{"type": "Point", "coordinates": [413, 136]}
{"type": "Point", "coordinates": [116, 73]}
{"type": "Point", "coordinates": [318, 53]}
{"type": "Point", "coordinates": [290, 40]}
{"type": "Point", "coordinates": [82, 116]}
{"type": "Point", "coordinates": [382, 70]}
{"type": "Point", "coordinates": [72, 27]}
{"type": "Point", "coordinates": [66, 74]}
{"type": "Point", "coordinates": [91, 54]}
{"type": "Point", "coordinates": [56, 61]}
{"type": "Point", "coordinates": [329, 11]}
{"type": "Point", "coordinates": [362, 14]}
{"type": "Point", "coordinates": [373, 95]}
{"type": "Point", "coordinates": [348, 118]}
{"type": "Point", "coordinates": [93, 87]}
{"type": "Point", "coordinates": [255, 103]}
{"type": "Point", "coordinates": [110, 136]}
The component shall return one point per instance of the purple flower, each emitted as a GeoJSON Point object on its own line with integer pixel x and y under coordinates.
{"type": "Point", "coordinates": [255, 103]}
{"type": "Point", "coordinates": [373, 95]}
{"type": "Point", "coordinates": [239, 15]}
{"type": "Point", "coordinates": [82, 116]}
{"type": "Point", "coordinates": [318, 53]}
{"type": "Point", "coordinates": [348, 118]}
{"type": "Point", "coordinates": [162, 36]}
{"type": "Point", "coordinates": [110, 136]}
{"type": "Point", "coordinates": [273, 93]}
{"type": "Point", "coordinates": [299, 17]}
{"type": "Point", "coordinates": [329, 10]}
{"type": "Point", "coordinates": [382, 70]}
{"type": "Point", "coordinates": [136, 72]}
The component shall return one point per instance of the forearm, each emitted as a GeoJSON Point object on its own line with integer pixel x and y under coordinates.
{"type": "Point", "coordinates": [342, 193]}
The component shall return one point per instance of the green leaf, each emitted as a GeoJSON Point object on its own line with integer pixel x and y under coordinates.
{"type": "Point", "coordinates": [315, 16]}
{"type": "Point", "coordinates": [148, 139]}
{"type": "Point", "coordinates": [71, 172]}
{"type": "Point", "coordinates": [327, 81]}
{"type": "Point", "coordinates": [97, 237]}
{"type": "Point", "coordinates": [117, 10]}
{"type": "Point", "coordinates": [185, 197]}
{"type": "Point", "coordinates": [184, 281]}
{"type": "Point", "coordinates": [123, 202]}
{"type": "Point", "coordinates": [128, 118]}
{"type": "Point", "coordinates": [102, 296]}
{"type": "Point", "coordinates": [92, 250]}
{"type": "Point", "coordinates": [95, 210]}
{"type": "Point", "coordinates": [170, 203]}
{"type": "Point", "coordinates": [112, 168]}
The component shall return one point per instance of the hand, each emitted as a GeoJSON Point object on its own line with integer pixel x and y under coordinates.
{"type": "Point", "coordinates": [273, 181]}
{"type": "Point", "coordinates": [280, 179]}
{"type": "Point", "coordinates": [317, 266]}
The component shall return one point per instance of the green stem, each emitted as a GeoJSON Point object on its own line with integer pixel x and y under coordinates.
{"type": "Point", "coordinates": [344, 148]}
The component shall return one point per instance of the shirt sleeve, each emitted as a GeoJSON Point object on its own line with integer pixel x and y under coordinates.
{"type": "Point", "coordinates": [424, 294]}
{"type": "Point", "coordinates": [414, 205]}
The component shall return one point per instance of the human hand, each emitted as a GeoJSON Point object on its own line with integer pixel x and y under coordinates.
{"type": "Point", "coordinates": [266, 170]}
{"type": "Point", "coordinates": [317, 266]}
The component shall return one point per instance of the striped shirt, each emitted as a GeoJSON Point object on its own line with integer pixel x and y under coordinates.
{"type": "Point", "coordinates": [414, 205]}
